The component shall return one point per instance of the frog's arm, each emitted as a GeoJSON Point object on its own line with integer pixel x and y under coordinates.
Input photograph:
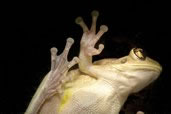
{"type": "Point", "coordinates": [51, 84]}
{"type": "Point", "coordinates": [87, 49]}
{"type": "Point", "coordinates": [88, 41]}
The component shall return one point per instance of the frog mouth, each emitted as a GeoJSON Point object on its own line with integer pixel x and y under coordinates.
{"type": "Point", "coordinates": [157, 68]}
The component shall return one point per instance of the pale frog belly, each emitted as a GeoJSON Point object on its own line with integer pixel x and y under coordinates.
{"type": "Point", "coordinates": [98, 98]}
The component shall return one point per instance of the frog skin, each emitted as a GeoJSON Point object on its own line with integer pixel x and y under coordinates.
{"type": "Point", "coordinates": [101, 87]}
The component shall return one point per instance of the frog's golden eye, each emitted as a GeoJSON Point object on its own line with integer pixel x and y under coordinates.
{"type": "Point", "coordinates": [139, 53]}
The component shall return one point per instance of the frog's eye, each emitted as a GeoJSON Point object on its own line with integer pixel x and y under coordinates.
{"type": "Point", "coordinates": [139, 53]}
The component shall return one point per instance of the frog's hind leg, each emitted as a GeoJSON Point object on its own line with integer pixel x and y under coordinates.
{"type": "Point", "coordinates": [59, 67]}
{"type": "Point", "coordinates": [51, 84]}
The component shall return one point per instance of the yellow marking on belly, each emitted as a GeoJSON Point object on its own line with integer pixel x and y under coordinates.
{"type": "Point", "coordinates": [65, 99]}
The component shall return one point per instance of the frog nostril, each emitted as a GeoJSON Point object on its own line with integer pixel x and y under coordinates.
{"type": "Point", "coordinates": [139, 53]}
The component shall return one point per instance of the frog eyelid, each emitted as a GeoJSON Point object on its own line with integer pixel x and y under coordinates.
{"type": "Point", "coordinates": [139, 53]}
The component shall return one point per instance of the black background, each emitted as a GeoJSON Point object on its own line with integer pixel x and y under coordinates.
{"type": "Point", "coordinates": [33, 28]}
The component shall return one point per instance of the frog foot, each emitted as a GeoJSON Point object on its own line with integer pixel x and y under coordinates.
{"type": "Point", "coordinates": [59, 67]}
{"type": "Point", "coordinates": [90, 38]}
{"type": "Point", "coordinates": [52, 82]}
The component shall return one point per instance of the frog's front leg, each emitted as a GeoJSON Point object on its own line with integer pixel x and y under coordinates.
{"type": "Point", "coordinates": [88, 41]}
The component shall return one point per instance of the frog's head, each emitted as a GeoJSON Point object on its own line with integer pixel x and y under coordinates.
{"type": "Point", "coordinates": [137, 68]}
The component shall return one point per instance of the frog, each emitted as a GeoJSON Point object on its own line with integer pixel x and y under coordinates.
{"type": "Point", "coordinates": [100, 87]}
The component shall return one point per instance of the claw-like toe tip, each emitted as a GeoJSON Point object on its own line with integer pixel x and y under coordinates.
{"type": "Point", "coordinates": [78, 20]}
{"type": "Point", "coordinates": [104, 28]}
{"type": "Point", "coordinates": [95, 13]}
